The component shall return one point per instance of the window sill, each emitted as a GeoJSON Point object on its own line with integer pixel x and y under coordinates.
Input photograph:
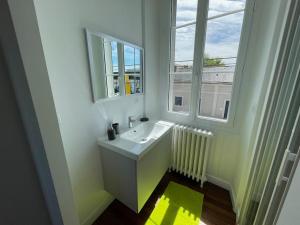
{"type": "Point", "coordinates": [212, 119]}
{"type": "Point", "coordinates": [179, 113]}
{"type": "Point", "coordinates": [211, 124]}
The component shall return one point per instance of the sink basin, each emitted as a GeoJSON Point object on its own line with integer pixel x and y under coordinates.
{"type": "Point", "coordinates": [144, 132]}
{"type": "Point", "coordinates": [135, 142]}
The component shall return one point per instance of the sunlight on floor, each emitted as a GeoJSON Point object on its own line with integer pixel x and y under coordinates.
{"type": "Point", "coordinates": [159, 212]}
{"type": "Point", "coordinates": [179, 205]}
{"type": "Point", "coordinates": [167, 213]}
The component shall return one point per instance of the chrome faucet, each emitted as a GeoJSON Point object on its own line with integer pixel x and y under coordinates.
{"type": "Point", "coordinates": [130, 121]}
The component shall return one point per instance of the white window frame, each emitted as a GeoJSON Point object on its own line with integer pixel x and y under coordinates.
{"type": "Point", "coordinates": [193, 116]}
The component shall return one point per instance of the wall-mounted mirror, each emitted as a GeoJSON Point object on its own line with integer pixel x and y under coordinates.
{"type": "Point", "coordinates": [116, 66]}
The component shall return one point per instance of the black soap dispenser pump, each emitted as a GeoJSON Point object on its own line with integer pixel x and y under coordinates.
{"type": "Point", "coordinates": [110, 133]}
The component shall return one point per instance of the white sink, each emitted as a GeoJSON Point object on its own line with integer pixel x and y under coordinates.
{"type": "Point", "coordinates": [144, 132]}
{"type": "Point", "coordinates": [135, 142]}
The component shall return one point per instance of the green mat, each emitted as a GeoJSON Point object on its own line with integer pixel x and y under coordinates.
{"type": "Point", "coordinates": [178, 205]}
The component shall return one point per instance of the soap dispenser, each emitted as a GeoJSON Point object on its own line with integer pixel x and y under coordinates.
{"type": "Point", "coordinates": [110, 132]}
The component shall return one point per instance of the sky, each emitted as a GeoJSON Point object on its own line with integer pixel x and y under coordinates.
{"type": "Point", "coordinates": [114, 55]}
{"type": "Point", "coordinates": [131, 57]}
{"type": "Point", "coordinates": [222, 35]}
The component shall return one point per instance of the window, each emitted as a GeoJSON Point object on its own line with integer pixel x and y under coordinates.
{"type": "Point", "coordinates": [203, 71]}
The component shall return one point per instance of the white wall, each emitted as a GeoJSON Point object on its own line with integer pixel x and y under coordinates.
{"type": "Point", "coordinates": [81, 122]}
{"type": "Point", "coordinates": [22, 152]}
{"type": "Point", "coordinates": [151, 40]}
{"type": "Point", "coordinates": [289, 214]}
{"type": "Point", "coordinates": [25, 24]}
{"type": "Point", "coordinates": [257, 75]}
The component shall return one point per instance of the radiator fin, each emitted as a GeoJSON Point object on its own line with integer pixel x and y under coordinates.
{"type": "Point", "coordinates": [190, 149]}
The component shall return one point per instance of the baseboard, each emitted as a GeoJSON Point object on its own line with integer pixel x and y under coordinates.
{"type": "Point", "coordinates": [226, 185]}
{"type": "Point", "coordinates": [90, 219]}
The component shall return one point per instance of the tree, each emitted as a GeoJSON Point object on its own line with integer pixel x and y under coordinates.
{"type": "Point", "coordinates": [212, 61]}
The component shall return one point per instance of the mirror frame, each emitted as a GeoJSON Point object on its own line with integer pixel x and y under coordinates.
{"type": "Point", "coordinates": [88, 33]}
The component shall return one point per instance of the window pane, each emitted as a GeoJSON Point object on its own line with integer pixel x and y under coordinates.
{"type": "Point", "coordinates": [184, 49]}
{"type": "Point", "coordinates": [114, 56]}
{"type": "Point", "coordinates": [133, 84]}
{"type": "Point", "coordinates": [111, 57]}
{"type": "Point", "coordinates": [133, 70]}
{"type": "Point", "coordinates": [138, 84]}
{"type": "Point", "coordinates": [186, 11]}
{"type": "Point", "coordinates": [223, 36]}
{"type": "Point", "coordinates": [220, 54]}
{"type": "Point", "coordinates": [180, 93]}
{"type": "Point", "coordinates": [137, 60]}
{"type": "Point", "coordinates": [218, 7]}
{"type": "Point", "coordinates": [113, 85]}
{"type": "Point", "coordinates": [182, 56]}
{"type": "Point", "coordinates": [129, 59]}
{"type": "Point", "coordinates": [215, 100]}
{"type": "Point", "coordinates": [132, 60]}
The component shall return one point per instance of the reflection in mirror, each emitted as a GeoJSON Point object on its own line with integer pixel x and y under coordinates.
{"type": "Point", "coordinates": [132, 65]}
{"type": "Point", "coordinates": [111, 67]}
{"type": "Point", "coordinates": [116, 67]}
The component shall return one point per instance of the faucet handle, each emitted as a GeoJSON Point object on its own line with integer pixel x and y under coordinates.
{"type": "Point", "coordinates": [131, 118]}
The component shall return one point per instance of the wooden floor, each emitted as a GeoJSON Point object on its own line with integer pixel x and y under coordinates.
{"type": "Point", "coordinates": [217, 208]}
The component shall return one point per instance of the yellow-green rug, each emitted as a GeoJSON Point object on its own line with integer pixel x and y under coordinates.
{"type": "Point", "coordinates": [179, 205]}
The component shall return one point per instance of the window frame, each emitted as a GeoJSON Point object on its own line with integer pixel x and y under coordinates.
{"type": "Point", "coordinates": [200, 36]}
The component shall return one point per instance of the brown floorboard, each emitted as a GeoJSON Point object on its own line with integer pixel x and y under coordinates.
{"type": "Point", "coordinates": [217, 207]}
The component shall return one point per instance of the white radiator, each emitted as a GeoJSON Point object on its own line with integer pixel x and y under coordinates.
{"type": "Point", "coordinates": [190, 149]}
